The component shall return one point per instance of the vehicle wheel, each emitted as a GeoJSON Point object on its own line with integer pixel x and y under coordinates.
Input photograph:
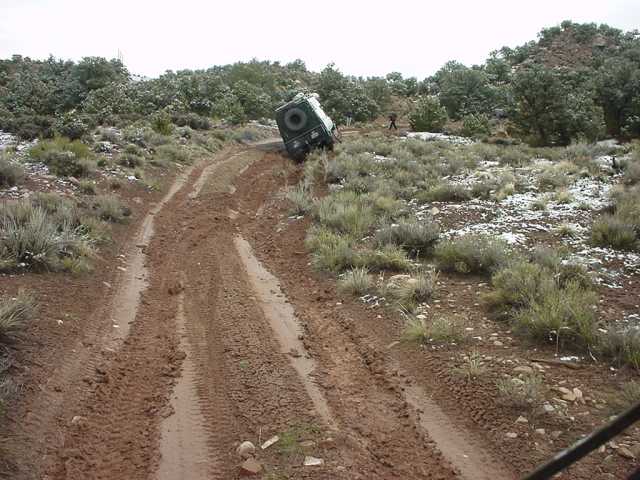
{"type": "Point", "coordinates": [295, 119]}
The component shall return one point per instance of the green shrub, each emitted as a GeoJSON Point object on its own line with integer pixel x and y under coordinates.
{"type": "Point", "coordinates": [64, 157]}
{"type": "Point", "coordinates": [161, 123]}
{"type": "Point", "coordinates": [110, 208]}
{"type": "Point", "coordinates": [625, 397]}
{"type": "Point", "coordinates": [440, 330]}
{"type": "Point", "coordinates": [416, 237]}
{"type": "Point", "coordinates": [471, 254]}
{"type": "Point", "coordinates": [356, 281]}
{"type": "Point", "coordinates": [130, 160]}
{"type": "Point", "coordinates": [37, 239]}
{"type": "Point", "coordinates": [300, 199]}
{"type": "Point", "coordinates": [15, 312]}
{"type": "Point", "coordinates": [445, 192]}
{"type": "Point", "coordinates": [173, 153]}
{"type": "Point", "coordinates": [70, 125]}
{"type": "Point", "coordinates": [388, 257]}
{"type": "Point", "coordinates": [632, 173]}
{"type": "Point", "coordinates": [87, 187]}
{"type": "Point", "coordinates": [566, 316]}
{"type": "Point", "coordinates": [612, 231]}
{"type": "Point", "coordinates": [335, 255]}
{"type": "Point", "coordinates": [66, 164]}
{"type": "Point", "coordinates": [568, 272]}
{"type": "Point", "coordinates": [519, 285]}
{"type": "Point", "coordinates": [191, 120]}
{"type": "Point", "coordinates": [475, 125]}
{"type": "Point", "coordinates": [59, 144]}
{"type": "Point", "coordinates": [622, 344]}
{"type": "Point", "coordinates": [10, 173]}
{"type": "Point", "coordinates": [525, 393]}
{"type": "Point", "coordinates": [428, 115]}
{"type": "Point", "coordinates": [414, 290]}
{"type": "Point", "coordinates": [346, 212]}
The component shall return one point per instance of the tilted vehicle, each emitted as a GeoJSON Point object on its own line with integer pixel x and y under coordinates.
{"type": "Point", "coordinates": [303, 126]}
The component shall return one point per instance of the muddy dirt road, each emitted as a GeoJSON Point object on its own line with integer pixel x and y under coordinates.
{"type": "Point", "coordinates": [201, 347]}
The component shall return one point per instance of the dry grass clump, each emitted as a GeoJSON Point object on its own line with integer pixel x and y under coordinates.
{"type": "Point", "coordinates": [540, 204]}
{"type": "Point", "coordinates": [387, 257]}
{"type": "Point", "coordinates": [626, 396]}
{"type": "Point", "coordinates": [50, 232]}
{"type": "Point", "coordinates": [301, 200]}
{"type": "Point", "coordinates": [416, 237]}
{"type": "Point", "coordinates": [473, 367]}
{"type": "Point", "coordinates": [330, 251]}
{"type": "Point", "coordinates": [566, 230]}
{"type": "Point", "coordinates": [548, 301]}
{"type": "Point", "coordinates": [32, 238]}
{"type": "Point", "coordinates": [557, 176]}
{"type": "Point", "coordinates": [87, 187]}
{"type": "Point", "coordinates": [445, 192]}
{"type": "Point", "coordinates": [612, 231]}
{"type": "Point", "coordinates": [10, 173]}
{"type": "Point", "coordinates": [15, 312]}
{"type": "Point", "coordinates": [632, 167]}
{"type": "Point", "coordinates": [346, 212]}
{"type": "Point", "coordinates": [440, 330]}
{"type": "Point", "coordinates": [110, 208]}
{"type": "Point", "coordinates": [414, 290]}
{"type": "Point", "coordinates": [522, 393]}
{"type": "Point", "coordinates": [622, 344]}
{"type": "Point", "coordinates": [564, 315]}
{"type": "Point", "coordinates": [172, 153]}
{"type": "Point", "coordinates": [64, 157]}
{"type": "Point", "coordinates": [471, 254]}
{"type": "Point", "coordinates": [563, 197]}
{"type": "Point", "coordinates": [356, 281]}
{"type": "Point", "coordinates": [621, 229]}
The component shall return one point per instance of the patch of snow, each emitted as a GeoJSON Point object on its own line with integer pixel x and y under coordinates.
{"type": "Point", "coordinates": [514, 220]}
{"type": "Point", "coordinates": [428, 137]}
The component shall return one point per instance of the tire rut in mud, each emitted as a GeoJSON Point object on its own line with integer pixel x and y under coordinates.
{"type": "Point", "coordinates": [201, 337]}
{"type": "Point", "coordinates": [236, 385]}
{"type": "Point", "coordinates": [402, 430]}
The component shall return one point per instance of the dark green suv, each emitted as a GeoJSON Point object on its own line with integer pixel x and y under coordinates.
{"type": "Point", "coordinates": [303, 125]}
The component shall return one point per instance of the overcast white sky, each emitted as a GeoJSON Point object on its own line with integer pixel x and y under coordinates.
{"type": "Point", "coordinates": [362, 37]}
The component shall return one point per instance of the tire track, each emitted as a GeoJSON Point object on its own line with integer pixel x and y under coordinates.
{"type": "Point", "coordinates": [183, 446]}
{"type": "Point", "coordinates": [112, 431]}
{"type": "Point", "coordinates": [282, 319]}
{"type": "Point", "coordinates": [50, 413]}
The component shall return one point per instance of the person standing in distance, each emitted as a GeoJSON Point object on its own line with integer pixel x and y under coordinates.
{"type": "Point", "coordinates": [392, 121]}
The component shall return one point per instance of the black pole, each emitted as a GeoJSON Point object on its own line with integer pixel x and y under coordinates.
{"type": "Point", "coordinates": [583, 447]}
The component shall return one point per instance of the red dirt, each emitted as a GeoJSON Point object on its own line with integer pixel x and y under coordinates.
{"type": "Point", "coordinates": [204, 365]}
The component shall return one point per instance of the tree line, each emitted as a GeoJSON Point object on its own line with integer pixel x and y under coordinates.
{"type": "Point", "coordinates": [576, 82]}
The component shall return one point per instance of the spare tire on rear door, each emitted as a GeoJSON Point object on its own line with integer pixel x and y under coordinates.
{"type": "Point", "coordinates": [295, 119]}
